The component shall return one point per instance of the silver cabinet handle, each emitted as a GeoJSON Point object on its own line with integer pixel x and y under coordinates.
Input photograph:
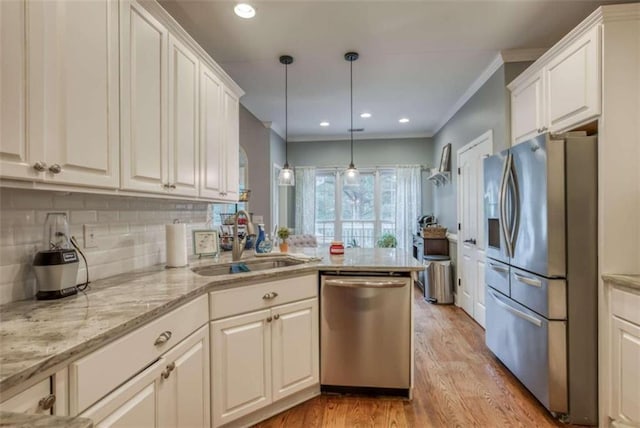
{"type": "Point", "coordinates": [529, 281]}
{"type": "Point", "coordinates": [169, 186]}
{"type": "Point", "coordinates": [276, 317]}
{"type": "Point", "coordinates": [40, 166]}
{"type": "Point", "coordinates": [269, 319]}
{"type": "Point", "coordinates": [163, 338]}
{"type": "Point", "coordinates": [55, 169]}
{"type": "Point", "coordinates": [47, 402]}
{"type": "Point", "coordinates": [167, 372]}
{"type": "Point", "coordinates": [498, 268]}
{"type": "Point", "coordinates": [270, 295]}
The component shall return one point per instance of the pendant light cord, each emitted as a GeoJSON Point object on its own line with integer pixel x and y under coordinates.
{"type": "Point", "coordinates": [286, 115]}
{"type": "Point", "coordinates": [351, 129]}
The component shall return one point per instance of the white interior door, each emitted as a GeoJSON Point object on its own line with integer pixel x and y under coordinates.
{"type": "Point", "coordinates": [471, 239]}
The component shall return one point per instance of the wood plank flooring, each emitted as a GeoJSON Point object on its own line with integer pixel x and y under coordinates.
{"type": "Point", "coordinates": [458, 383]}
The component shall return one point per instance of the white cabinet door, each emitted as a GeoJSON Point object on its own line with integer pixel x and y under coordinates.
{"type": "Point", "coordinates": [183, 98]}
{"type": "Point", "coordinates": [295, 347]}
{"type": "Point", "coordinates": [625, 352]}
{"type": "Point", "coordinates": [134, 404]}
{"type": "Point", "coordinates": [573, 83]}
{"type": "Point", "coordinates": [527, 109]}
{"type": "Point", "coordinates": [37, 399]}
{"type": "Point", "coordinates": [144, 52]}
{"type": "Point", "coordinates": [73, 85]}
{"type": "Point", "coordinates": [16, 160]}
{"type": "Point", "coordinates": [184, 385]}
{"type": "Point", "coordinates": [211, 137]}
{"type": "Point", "coordinates": [231, 145]}
{"type": "Point", "coordinates": [241, 365]}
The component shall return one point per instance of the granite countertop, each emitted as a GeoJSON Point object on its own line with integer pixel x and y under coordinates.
{"type": "Point", "coordinates": [629, 281]}
{"type": "Point", "coordinates": [10, 419]}
{"type": "Point", "coordinates": [36, 336]}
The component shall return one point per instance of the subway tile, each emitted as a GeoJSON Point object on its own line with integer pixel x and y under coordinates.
{"type": "Point", "coordinates": [95, 202]}
{"type": "Point", "coordinates": [118, 229]}
{"type": "Point", "coordinates": [83, 216]}
{"type": "Point", "coordinates": [27, 234]}
{"type": "Point", "coordinates": [32, 200]}
{"type": "Point", "coordinates": [72, 201]}
{"type": "Point", "coordinates": [128, 216]}
{"type": "Point", "coordinates": [17, 217]}
{"type": "Point", "coordinates": [108, 216]}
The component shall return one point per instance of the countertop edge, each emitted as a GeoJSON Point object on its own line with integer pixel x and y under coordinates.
{"type": "Point", "coordinates": [624, 280]}
{"type": "Point", "coordinates": [12, 419]}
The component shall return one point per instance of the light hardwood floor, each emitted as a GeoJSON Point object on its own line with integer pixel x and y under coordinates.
{"type": "Point", "coordinates": [458, 383]}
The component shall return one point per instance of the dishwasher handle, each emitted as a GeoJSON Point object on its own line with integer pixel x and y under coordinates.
{"type": "Point", "coordinates": [366, 283]}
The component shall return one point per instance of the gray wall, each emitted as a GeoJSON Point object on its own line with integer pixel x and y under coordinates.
{"type": "Point", "coordinates": [488, 108]}
{"type": "Point", "coordinates": [255, 139]}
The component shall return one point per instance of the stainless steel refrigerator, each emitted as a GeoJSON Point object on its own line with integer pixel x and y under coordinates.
{"type": "Point", "coordinates": [540, 211]}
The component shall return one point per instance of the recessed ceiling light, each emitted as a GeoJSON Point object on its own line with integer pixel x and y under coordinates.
{"type": "Point", "coordinates": [403, 120]}
{"type": "Point", "coordinates": [244, 10]}
{"type": "Point", "coordinates": [365, 115]}
{"type": "Point", "coordinates": [325, 123]}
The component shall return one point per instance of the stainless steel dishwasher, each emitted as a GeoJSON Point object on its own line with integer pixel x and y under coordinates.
{"type": "Point", "coordinates": [365, 332]}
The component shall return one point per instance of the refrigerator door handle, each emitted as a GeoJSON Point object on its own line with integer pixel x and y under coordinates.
{"type": "Point", "coordinates": [529, 281]}
{"type": "Point", "coordinates": [503, 204]}
{"type": "Point", "coordinates": [498, 268]}
{"type": "Point", "coordinates": [514, 311]}
{"type": "Point", "coordinates": [513, 184]}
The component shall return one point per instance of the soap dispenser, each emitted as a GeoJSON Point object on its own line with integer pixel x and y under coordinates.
{"type": "Point", "coordinates": [260, 240]}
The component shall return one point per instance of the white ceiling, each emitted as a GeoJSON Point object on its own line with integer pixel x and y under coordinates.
{"type": "Point", "coordinates": [417, 58]}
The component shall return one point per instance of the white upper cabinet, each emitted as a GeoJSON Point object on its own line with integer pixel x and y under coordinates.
{"type": "Point", "coordinates": [231, 144]}
{"type": "Point", "coordinates": [72, 80]}
{"type": "Point", "coordinates": [144, 52]}
{"type": "Point", "coordinates": [560, 91]}
{"type": "Point", "coordinates": [573, 83]}
{"type": "Point", "coordinates": [183, 98]}
{"type": "Point", "coordinates": [527, 109]}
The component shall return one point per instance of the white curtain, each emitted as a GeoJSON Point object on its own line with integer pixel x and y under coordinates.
{"type": "Point", "coordinates": [408, 203]}
{"type": "Point", "coordinates": [305, 200]}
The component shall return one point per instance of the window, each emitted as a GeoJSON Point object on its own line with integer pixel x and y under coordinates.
{"type": "Point", "coordinates": [357, 215]}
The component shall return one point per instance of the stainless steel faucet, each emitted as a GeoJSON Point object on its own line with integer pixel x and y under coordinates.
{"type": "Point", "coordinates": [238, 244]}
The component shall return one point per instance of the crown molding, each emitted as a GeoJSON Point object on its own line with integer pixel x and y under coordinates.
{"type": "Point", "coordinates": [522, 55]}
{"type": "Point", "coordinates": [312, 138]}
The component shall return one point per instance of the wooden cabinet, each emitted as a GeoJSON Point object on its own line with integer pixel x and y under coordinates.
{"type": "Point", "coordinates": [561, 91]}
{"type": "Point", "coordinates": [267, 352]}
{"type": "Point", "coordinates": [67, 130]}
{"type": "Point", "coordinates": [624, 325]}
{"type": "Point", "coordinates": [173, 391]}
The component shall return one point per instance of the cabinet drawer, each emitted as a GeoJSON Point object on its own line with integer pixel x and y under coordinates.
{"type": "Point", "coordinates": [260, 296]}
{"type": "Point", "coordinates": [95, 375]}
{"type": "Point", "coordinates": [625, 305]}
{"type": "Point", "coordinates": [31, 401]}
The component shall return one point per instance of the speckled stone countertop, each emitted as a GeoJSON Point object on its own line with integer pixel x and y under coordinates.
{"type": "Point", "coordinates": [9, 419]}
{"type": "Point", "coordinates": [37, 336]}
{"type": "Point", "coordinates": [629, 281]}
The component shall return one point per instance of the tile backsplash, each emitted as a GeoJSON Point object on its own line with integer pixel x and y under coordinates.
{"type": "Point", "coordinates": [130, 233]}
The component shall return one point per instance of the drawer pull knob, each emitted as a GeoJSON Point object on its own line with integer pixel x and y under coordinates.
{"type": "Point", "coordinates": [167, 372]}
{"type": "Point", "coordinates": [40, 166]}
{"type": "Point", "coordinates": [276, 317]}
{"type": "Point", "coordinates": [270, 295]}
{"type": "Point", "coordinates": [55, 169]}
{"type": "Point", "coordinates": [269, 319]}
{"type": "Point", "coordinates": [47, 402]}
{"type": "Point", "coordinates": [163, 338]}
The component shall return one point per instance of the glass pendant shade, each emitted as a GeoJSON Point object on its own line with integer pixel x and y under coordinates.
{"type": "Point", "coordinates": [286, 176]}
{"type": "Point", "coordinates": [352, 176]}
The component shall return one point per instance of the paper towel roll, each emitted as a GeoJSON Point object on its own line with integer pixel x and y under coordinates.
{"type": "Point", "coordinates": [176, 245]}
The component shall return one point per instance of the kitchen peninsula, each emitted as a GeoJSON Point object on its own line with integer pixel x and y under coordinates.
{"type": "Point", "coordinates": [66, 343]}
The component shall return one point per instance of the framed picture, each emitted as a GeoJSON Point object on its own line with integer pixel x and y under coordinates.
{"type": "Point", "coordinates": [205, 242]}
{"type": "Point", "coordinates": [444, 158]}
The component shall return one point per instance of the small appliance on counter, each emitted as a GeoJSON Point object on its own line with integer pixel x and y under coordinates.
{"type": "Point", "coordinates": [425, 221]}
{"type": "Point", "coordinates": [56, 265]}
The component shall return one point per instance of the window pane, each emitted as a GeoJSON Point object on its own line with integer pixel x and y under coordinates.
{"type": "Point", "coordinates": [358, 201]}
{"type": "Point", "coordinates": [388, 196]}
{"type": "Point", "coordinates": [325, 197]}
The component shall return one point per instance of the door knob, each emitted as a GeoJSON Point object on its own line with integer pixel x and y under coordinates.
{"type": "Point", "coordinates": [47, 402]}
{"type": "Point", "coordinates": [167, 372]}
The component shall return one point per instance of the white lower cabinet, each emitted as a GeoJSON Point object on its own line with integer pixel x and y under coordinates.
{"type": "Point", "coordinates": [172, 392]}
{"type": "Point", "coordinates": [624, 324]}
{"type": "Point", "coordinates": [263, 356]}
{"type": "Point", "coordinates": [37, 400]}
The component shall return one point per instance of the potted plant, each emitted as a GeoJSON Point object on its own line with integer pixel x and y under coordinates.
{"type": "Point", "coordinates": [387, 240]}
{"type": "Point", "coordinates": [283, 234]}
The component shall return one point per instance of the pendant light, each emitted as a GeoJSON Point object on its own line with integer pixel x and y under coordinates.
{"type": "Point", "coordinates": [351, 175]}
{"type": "Point", "coordinates": [286, 176]}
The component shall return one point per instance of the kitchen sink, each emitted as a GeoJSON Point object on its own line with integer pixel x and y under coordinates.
{"type": "Point", "coordinates": [245, 266]}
